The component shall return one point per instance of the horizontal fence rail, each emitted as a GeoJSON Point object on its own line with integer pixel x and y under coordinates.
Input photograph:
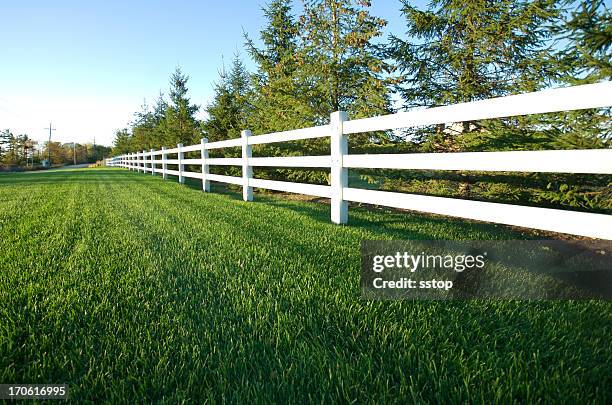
{"type": "Point", "coordinates": [340, 161]}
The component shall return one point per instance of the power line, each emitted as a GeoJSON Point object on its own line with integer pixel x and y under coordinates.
{"type": "Point", "coordinates": [49, 144]}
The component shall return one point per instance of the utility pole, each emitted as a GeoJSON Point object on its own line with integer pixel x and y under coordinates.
{"type": "Point", "coordinates": [49, 144]}
{"type": "Point", "coordinates": [73, 152]}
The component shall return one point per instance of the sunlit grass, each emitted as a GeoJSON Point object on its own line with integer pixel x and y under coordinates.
{"type": "Point", "coordinates": [126, 286]}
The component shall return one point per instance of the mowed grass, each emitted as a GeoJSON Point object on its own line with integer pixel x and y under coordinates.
{"type": "Point", "coordinates": [129, 287]}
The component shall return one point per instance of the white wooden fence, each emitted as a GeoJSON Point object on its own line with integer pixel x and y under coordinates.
{"type": "Point", "coordinates": [339, 161]}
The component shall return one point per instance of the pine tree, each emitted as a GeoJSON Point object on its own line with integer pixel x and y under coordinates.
{"type": "Point", "coordinates": [588, 32]}
{"type": "Point", "coordinates": [586, 58]}
{"type": "Point", "coordinates": [149, 128]}
{"type": "Point", "coordinates": [339, 61]}
{"type": "Point", "coordinates": [181, 125]}
{"type": "Point", "coordinates": [229, 110]}
{"type": "Point", "coordinates": [123, 142]}
{"type": "Point", "coordinates": [462, 51]}
{"type": "Point", "coordinates": [278, 100]}
{"type": "Point", "coordinates": [142, 129]}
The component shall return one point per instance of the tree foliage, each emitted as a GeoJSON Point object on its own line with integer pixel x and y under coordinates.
{"type": "Point", "coordinates": [338, 60]}
{"type": "Point", "coordinates": [330, 55]}
{"type": "Point", "coordinates": [460, 51]}
{"type": "Point", "coordinates": [228, 113]}
{"type": "Point", "coordinates": [279, 99]}
{"type": "Point", "coordinates": [180, 124]}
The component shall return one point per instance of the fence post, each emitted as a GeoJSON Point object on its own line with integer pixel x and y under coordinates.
{"type": "Point", "coordinates": [339, 174]}
{"type": "Point", "coordinates": [144, 161]}
{"type": "Point", "coordinates": [181, 155]}
{"type": "Point", "coordinates": [152, 162]}
{"type": "Point", "coordinates": [247, 171]}
{"type": "Point", "coordinates": [164, 164]}
{"type": "Point", "coordinates": [204, 156]}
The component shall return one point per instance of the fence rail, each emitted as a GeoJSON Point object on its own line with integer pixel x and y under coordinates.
{"type": "Point", "coordinates": [339, 161]}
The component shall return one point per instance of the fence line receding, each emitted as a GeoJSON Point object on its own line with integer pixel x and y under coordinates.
{"type": "Point", "coordinates": [594, 161]}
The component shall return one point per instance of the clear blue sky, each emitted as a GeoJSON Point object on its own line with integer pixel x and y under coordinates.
{"type": "Point", "coordinates": [88, 65]}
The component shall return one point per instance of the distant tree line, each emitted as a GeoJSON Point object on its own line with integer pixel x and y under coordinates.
{"type": "Point", "coordinates": [330, 55]}
{"type": "Point", "coordinates": [21, 151]}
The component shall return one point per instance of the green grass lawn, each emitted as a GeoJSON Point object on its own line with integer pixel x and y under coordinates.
{"type": "Point", "coordinates": [126, 286]}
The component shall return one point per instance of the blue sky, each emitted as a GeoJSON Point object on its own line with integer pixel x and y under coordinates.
{"type": "Point", "coordinates": [88, 65]}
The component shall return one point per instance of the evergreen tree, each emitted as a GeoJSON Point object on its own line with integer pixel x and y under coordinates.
{"type": "Point", "coordinates": [123, 142]}
{"type": "Point", "coordinates": [464, 51]}
{"type": "Point", "coordinates": [278, 99]}
{"type": "Point", "coordinates": [339, 61]}
{"type": "Point", "coordinates": [181, 125]}
{"type": "Point", "coordinates": [588, 31]}
{"type": "Point", "coordinates": [158, 118]}
{"type": "Point", "coordinates": [143, 129]}
{"type": "Point", "coordinates": [149, 128]}
{"type": "Point", "coordinates": [239, 83]}
{"type": "Point", "coordinates": [461, 51]}
{"type": "Point", "coordinates": [586, 58]}
{"type": "Point", "coordinates": [228, 113]}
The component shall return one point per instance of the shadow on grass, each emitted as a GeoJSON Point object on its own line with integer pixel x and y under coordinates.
{"type": "Point", "coordinates": [388, 221]}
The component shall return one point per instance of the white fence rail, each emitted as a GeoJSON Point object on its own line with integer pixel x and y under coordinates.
{"type": "Point", "coordinates": [339, 161]}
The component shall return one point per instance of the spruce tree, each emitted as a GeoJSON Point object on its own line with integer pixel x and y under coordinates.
{"type": "Point", "coordinates": [228, 112]}
{"type": "Point", "coordinates": [339, 61]}
{"type": "Point", "coordinates": [180, 123]}
{"type": "Point", "coordinates": [142, 129]}
{"type": "Point", "coordinates": [278, 101]}
{"type": "Point", "coordinates": [585, 58]}
{"type": "Point", "coordinates": [122, 142]}
{"type": "Point", "coordinates": [460, 51]}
